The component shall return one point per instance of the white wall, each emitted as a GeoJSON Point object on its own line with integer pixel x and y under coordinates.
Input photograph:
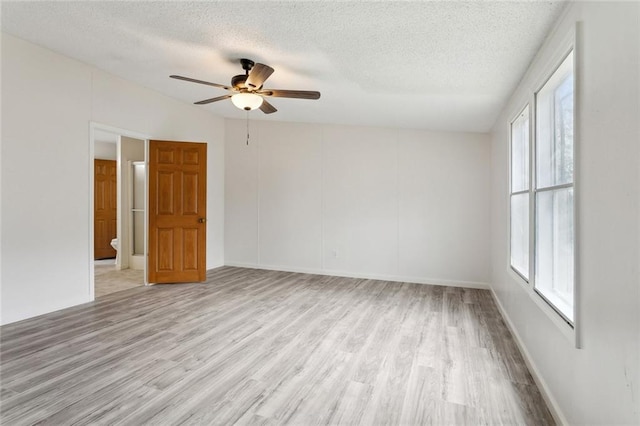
{"type": "Point", "coordinates": [105, 151]}
{"type": "Point", "coordinates": [600, 383]}
{"type": "Point", "coordinates": [45, 169]}
{"type": "Point", "coordinates": [370, 202]}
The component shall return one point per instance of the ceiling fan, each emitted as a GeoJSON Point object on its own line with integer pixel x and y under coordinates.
{"type": "Point", "coordinates": [248, 92]}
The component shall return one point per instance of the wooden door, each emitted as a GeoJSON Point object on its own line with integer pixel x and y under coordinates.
{"type": "Point", "coordinates": [177, 211]}
{"type": "Point", "coordinates": [105, 208]}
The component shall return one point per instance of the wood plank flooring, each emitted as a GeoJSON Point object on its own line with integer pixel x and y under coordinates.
{"type": "Point", "coordinates": [267, 347]}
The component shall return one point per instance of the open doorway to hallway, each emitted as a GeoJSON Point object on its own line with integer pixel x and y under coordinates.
{"type": "Point", "coordinates": [108, 279]}
{"type": "Point", "coordinates": [119, 224]}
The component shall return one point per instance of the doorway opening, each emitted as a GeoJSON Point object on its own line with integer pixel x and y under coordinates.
{"type": "Point", "coordinates": [118, 192]}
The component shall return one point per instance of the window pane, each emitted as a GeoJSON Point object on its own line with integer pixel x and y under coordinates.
{"type": "Point", "coordinates": [554, 128]}
{"type": "Point", "coordinates": [520, 152]}
{"type": "Point", "coordinates": [554, 248]}
{"type": "Point", "coordinates": [520, 233]}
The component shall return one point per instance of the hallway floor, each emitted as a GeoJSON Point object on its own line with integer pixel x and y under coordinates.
{"type": "Point", "coordinates": [110, 280]}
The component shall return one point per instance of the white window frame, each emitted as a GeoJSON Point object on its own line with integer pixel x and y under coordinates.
{"type": "Point", "coordinates": [570, 43]}
{"type": "Point", "coordinates": [552, 188]}
{"type": "Point", "coordinates": [528, 108]}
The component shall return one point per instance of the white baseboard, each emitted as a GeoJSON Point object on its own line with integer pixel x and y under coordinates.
{"type": "Point", "coordinates": [396, 278]}
{"type": "Point", "coordinates": [552, 404]}
{"type": "Point", "coordinates": [217, 265]}
{"type": "Point", "coordinates": [39, 311]}
{"type": "Point", "coordinates": [137, 261]}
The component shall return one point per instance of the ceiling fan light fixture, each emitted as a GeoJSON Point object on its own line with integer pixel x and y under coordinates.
{"type": "Point", "coordinates": [243, 97]}
{"type": "Point", "coordinates": [246, 101]}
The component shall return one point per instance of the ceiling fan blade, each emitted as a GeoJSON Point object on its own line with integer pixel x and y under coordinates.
{"type": "Point", "coordinates": [267, 108]}
{"type": "Point", "coordinates": [297, 94]}
{"type": "Point", "coordinates": [257, 76]}
{"type": "Point", "coordinates": [208, 101]}
{"type": "Point", "coordinates": [193, 80]}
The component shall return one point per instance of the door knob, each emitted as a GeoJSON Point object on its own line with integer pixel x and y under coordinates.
{"type": "Point", "coordinates": [202, 220]}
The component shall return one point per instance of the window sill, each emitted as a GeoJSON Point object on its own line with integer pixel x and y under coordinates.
{"type": "Point", "coordinates": [565, 329]}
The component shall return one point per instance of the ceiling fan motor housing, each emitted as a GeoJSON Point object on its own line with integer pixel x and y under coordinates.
{"type": "Point", "coordinates": [238, 81]}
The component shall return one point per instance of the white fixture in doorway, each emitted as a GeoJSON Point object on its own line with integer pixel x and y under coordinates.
{"type": "Point", "coordinates": [114, 244]}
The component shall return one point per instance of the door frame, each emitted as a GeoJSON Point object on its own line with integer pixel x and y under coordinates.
{"type": "Point", "coordinates": [93, 126]}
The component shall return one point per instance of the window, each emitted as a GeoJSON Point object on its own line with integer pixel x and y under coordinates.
{"type": "Point", "coordinates": [550, 188]}
{"type": "Point", "coordinates": [520, 189]}
{"type": "Point", "coordinates": [554, 230]}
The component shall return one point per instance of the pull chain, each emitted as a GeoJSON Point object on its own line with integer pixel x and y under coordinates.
{"type": "Point", "coordinates": [247, 128]}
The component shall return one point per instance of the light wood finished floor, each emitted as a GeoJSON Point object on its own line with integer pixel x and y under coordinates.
{"type": "Point", "coordinates": [109, 280]}
{"type": "Point", "coordinates": [266, 347]}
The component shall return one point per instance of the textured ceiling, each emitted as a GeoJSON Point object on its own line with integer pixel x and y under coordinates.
{"type": "Point", "coordinates": [431, 65]}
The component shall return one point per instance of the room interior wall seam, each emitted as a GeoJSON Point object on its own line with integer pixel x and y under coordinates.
{"type": "Point", "coordinates": [364, 275]}
{"type": "Point", "coordinates": [322, 200]}
{"type": "Point", "coordinates": [257, 194]}
{"type": "Point", "coordinates": [224, 190]}
{"type": "Point", "coordinates": [552, 404]}
{"type": "Point", "coordinates": [91, 206]}
{"type": "Point", "coordinates": [397, 165]}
